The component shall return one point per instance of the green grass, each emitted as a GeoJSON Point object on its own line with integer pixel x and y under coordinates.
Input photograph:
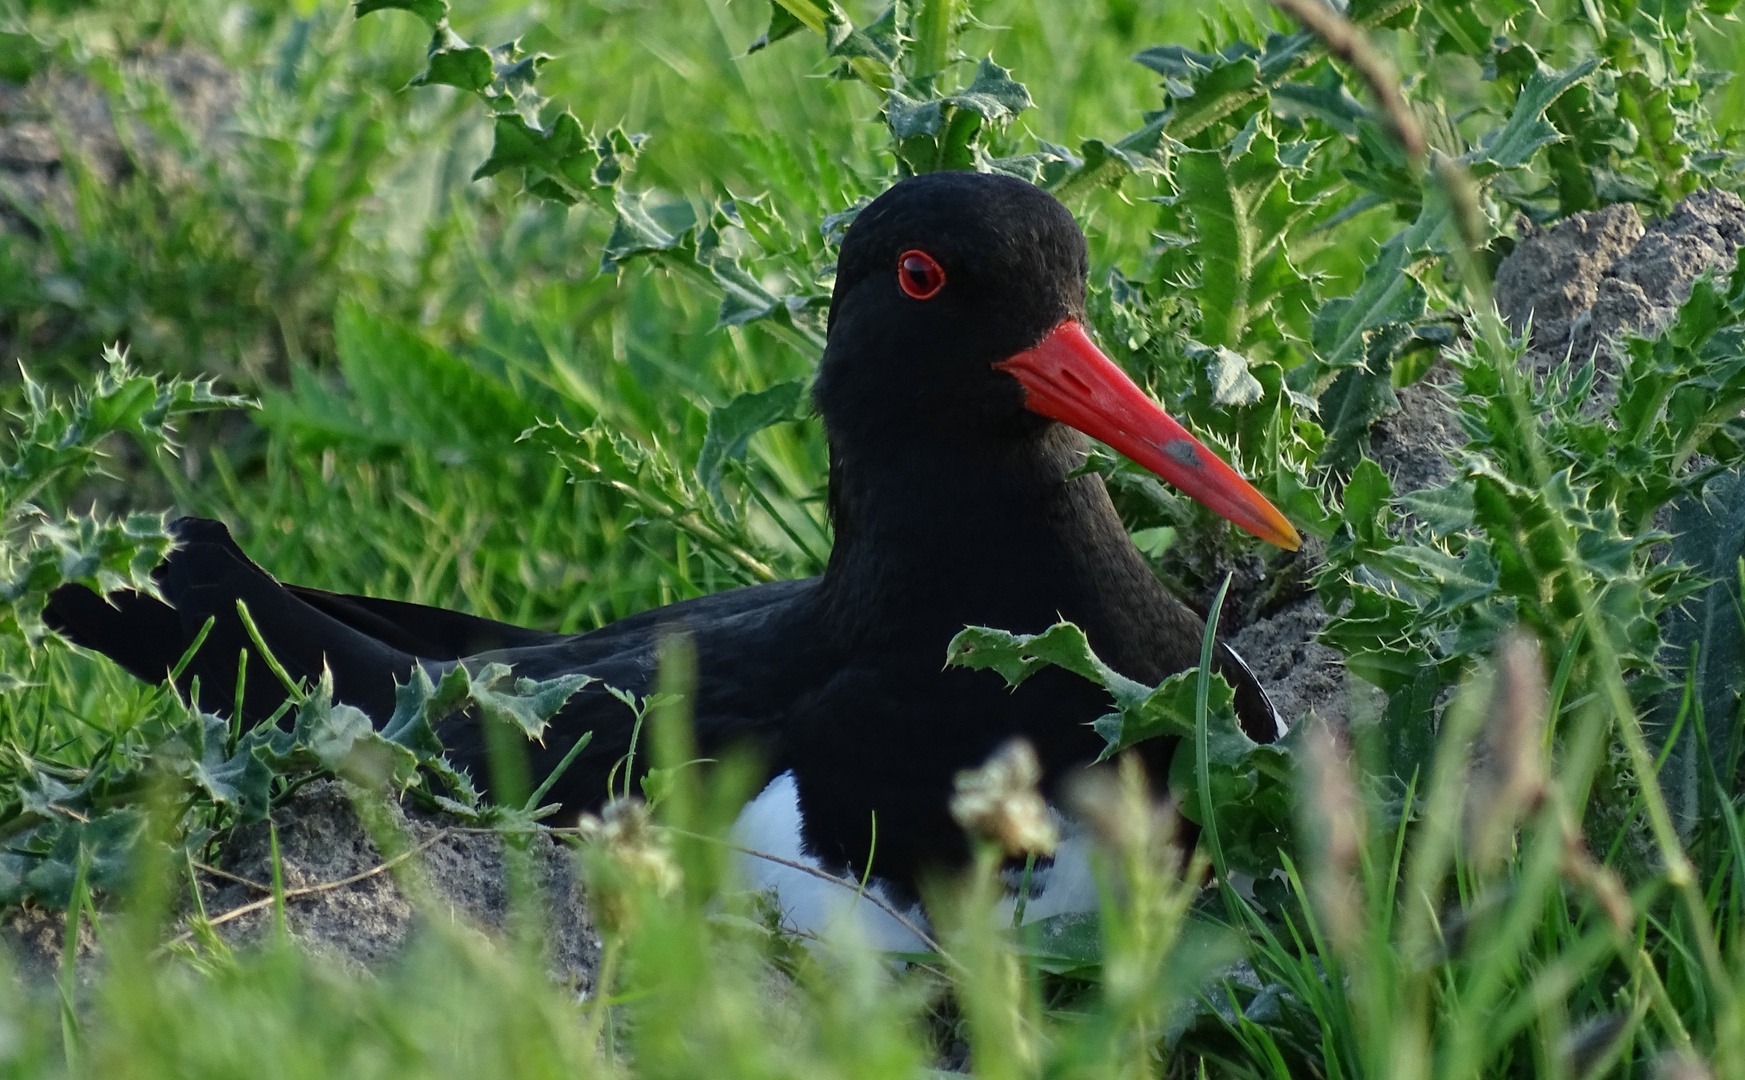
{"type": "Point", "coordinates": [1547, 882]}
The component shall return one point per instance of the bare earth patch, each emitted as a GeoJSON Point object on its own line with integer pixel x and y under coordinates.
{"type": "Point", "coordinates": [347, 904]}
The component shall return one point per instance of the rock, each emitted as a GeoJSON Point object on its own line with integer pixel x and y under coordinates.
{"type": "Point", "coordinates": [1643, 290]}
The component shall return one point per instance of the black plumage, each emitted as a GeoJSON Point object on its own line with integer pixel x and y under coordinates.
{"type": "Point", "coordinates": [953, 502]}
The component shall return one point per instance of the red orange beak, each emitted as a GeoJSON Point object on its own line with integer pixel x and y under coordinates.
{"type": "Point", "coordinates": [1067, 378]}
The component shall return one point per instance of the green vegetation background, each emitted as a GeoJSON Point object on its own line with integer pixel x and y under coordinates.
{"type": "Point", "coordinates": [401, 325]}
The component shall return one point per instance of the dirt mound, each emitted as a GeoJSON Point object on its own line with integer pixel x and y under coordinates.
{"type": "Point", "coordinates": [1580, 284]}
{"type": "Point", "coordinates": [345, 903]}
{"type": "Point", "coordinates": [60, 122]}
{"type": "Point", "coordinates": [1592, 277]}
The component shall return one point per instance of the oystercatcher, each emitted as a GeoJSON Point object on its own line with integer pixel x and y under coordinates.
{"type": "Point", "coordinates": [957, 369]}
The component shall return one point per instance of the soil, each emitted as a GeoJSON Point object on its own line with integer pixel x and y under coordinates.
{"type": "Point", "coordinates": [59, 119]}
{"type": "Point", "coordinates": [1578, 285]}
{"type": "Point", "coordinates": [461, 873]}
{"type": "Point", "coordinates": [1304, 678]}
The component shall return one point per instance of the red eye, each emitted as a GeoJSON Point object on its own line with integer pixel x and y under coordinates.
{"type": "Point", "coordinates": [919, 275]}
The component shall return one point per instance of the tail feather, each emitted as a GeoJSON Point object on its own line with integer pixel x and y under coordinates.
{"type": "Point", "coordinates": [205, 577]}
{"type": "Point", "coordinates": [141, 633]}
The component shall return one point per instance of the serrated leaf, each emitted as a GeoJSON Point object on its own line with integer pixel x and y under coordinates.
{"type": "Point", "coordinates": [1045, 167]}
{"type": "Point", "coordinates": [41, 794]}
{"type": "Point", "coordinates": [1366, 498]}
{"type": "Point", "coordinates": [993, 95]}
{"type": "Point", "coordinates": [1143, 712]}
{"type": "Point", "coordinates": [877, 41]}
{"type": "Point", "coordinates": [1217, 92]}
{"type": "Point", "coordinates": [1178, 61]}
{"type": "Point", "coordinates": [452, 62]}
{"type": "Point", "coordinates": [744, 297]}
{"type": "Point", "coordinates": [1445, 510]}
{"type": "Point", "coordinates": [909, 118]}
{"type": "Point", "coordinates": [1166, 711]}
{"type": "Point", "coordinates": [106, 845]}
{"type": "Point", "coordinates": [342, 740]}
{"type": "Point", "coordinates": [1363, 394]}
{"type": "Point", "coordinates": [1388, 294]}
{"type": "Point", "coordinates": [104, 555]}
{"type": "Point", "coordinates": [1230, 380]}
{"type": "Point", "coordinates": [982, 648]}
{"type": "Point", "coordinates": [563, 161]}
{"type": "Point", "coordinates": [654, 482]}
{"type": "Point", "coordinates": [1326, 99]}
{"type": "Point", "coordinates": [522, 703]}
{"type": "Point", "coordinates": [1526, 131]}
{"type": "Point", "coordinates": [1225, 81]}
{"type": "Point", "coordinates": [327, 730]}
{"type": "Point", "coordinates": [243, 780]}
{"type": "Point", "coordinates": [1458, 579]}
{"type": "Point", "coordinates": [1242, 209]}
{"type": "Point", "coordinates": [1355, 400]}
{"type": "Point", "coordinates": [835, 226]}
{"type": "Point", "coordinates": [1018, 656]}
{"type": "Point", "coordinates": [732, 425]}
{"type": "Point", "coordinates": [1139, 152]}
{"type": "Point", "coordinates": [782, 24]}
{"type": "Point", "coordinates": [416, 714]}
{"type": "Point", "coordinates": [644, 227]}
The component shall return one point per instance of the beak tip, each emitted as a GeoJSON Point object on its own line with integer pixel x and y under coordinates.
{"type": "Point", "coordinates": [1283, 535]}
{"type": "Point", "coordinates": [1067, 378]}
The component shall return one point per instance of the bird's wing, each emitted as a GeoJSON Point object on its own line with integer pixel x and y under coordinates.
{"type": "Point", "coordinates": [429, 632]}
{"type": "Point", "coordinates": [753, 648]}
{"type": "Point", "coordinates": [141, 633]}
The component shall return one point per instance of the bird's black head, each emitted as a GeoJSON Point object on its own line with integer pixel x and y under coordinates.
{"type": "Point", "coordinates": [940, 278]}
{"type": "Point", "coordinates": [958, 321]}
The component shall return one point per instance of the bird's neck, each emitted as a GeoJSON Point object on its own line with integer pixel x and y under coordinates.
{"type": "Point", "coordinates": [930, 538]}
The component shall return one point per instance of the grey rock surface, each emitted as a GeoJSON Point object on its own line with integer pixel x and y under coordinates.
{"type": "Point", "coordinates": [1643, 289]}
{"type": "Point", "coordinates": [1579, 284]}
{"type": "Point", "coordinates": [1553, 276]}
